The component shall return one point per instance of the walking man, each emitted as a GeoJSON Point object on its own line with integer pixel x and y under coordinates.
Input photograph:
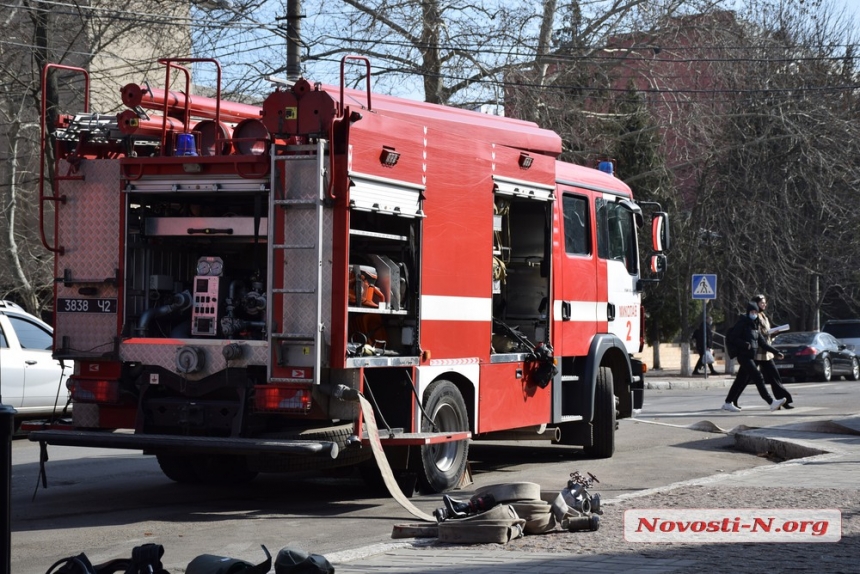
{"type": "Point", "coordinates": [747, 338]}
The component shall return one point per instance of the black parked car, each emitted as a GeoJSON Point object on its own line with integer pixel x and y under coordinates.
{"type": "Point", "coordinates": [816, 356]}
{"type": "Point", "coordinates": [846, 330]}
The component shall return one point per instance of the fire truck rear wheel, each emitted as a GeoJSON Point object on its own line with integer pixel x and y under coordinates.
{"type": "Point", "coordinates": [223, 469]}
{"type": "Point", "coordinates": [444, 464]}
{"type": "Point", "coordinates": [209, 469]}
{"type": "Point", "coordinates": [178, 468]}
{"type": "Point", "coordinates": [603, 425]}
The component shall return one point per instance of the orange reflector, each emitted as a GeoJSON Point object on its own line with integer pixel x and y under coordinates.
{"type": "Point", "coordinates": [285, 398]}
{"type": "Point", "coordinates": [93, 390]}
{"type": "Point", "coordinates": [644, 368]}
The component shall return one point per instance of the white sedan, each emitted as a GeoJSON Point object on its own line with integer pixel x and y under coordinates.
{"type": "Point", "coordinates": [31, 380]}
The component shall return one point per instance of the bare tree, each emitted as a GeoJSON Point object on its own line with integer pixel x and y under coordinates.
{"type": "Point", "coordinates": [102, 36]}
{"type": "Point", "coordinates": [775, 190]}
{"type": "Point", "coordinates": [704, 77]}
{"type": "Point", "coordinates": [452, 53]}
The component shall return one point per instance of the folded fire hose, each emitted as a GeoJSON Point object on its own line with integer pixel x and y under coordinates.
{"type": "Point", "coordinates": [496, 513]}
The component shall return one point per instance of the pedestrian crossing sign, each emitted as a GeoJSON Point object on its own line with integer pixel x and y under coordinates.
{"type": "Point", "coordinates": [704, 286]}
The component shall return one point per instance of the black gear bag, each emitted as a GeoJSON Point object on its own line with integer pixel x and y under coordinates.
{"type": "Point", "coordinates": [145, 559]}
{"type": "Point", "coordinates": [211, 564]}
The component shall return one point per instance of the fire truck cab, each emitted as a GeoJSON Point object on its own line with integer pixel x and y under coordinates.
{"type": "Point", "coordinates": [229, 278]}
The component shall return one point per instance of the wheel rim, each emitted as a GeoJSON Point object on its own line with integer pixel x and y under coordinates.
{"type": "Point", "coordinates": [444, 454]}
{"type": "Point", "coordinates": [827, 369]}
{"type": "Point", "coordinates": [855, 370]}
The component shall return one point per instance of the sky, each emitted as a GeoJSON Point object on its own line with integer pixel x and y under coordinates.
{"type": "Point", "coordinates": [851, 6]}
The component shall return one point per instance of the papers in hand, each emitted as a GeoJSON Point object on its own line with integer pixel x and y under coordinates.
{"type": "Point", "coordinates": [780, 329]}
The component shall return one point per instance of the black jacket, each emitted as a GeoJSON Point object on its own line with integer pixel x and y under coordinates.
{"type": "Point", "coordinates": [708, 341]}
{"type": "Point", "coordinates": [747, 337]}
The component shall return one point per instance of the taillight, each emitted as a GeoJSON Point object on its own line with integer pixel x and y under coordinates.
{"type": "Point", "coordinates": [283, 398]}
{"type": "Point", "coordinates": [93, 390]}
{"type": "Point", "coordinates": [807, 351]}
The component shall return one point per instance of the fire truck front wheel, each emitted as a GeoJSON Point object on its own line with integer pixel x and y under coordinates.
{"type": "Point", "coordinates": [445, 463]}
{"type": "Point", "coordinates": [603, 424]}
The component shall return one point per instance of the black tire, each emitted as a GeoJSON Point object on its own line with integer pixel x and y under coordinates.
{"type": "Point", "coordinates": [178, 468]}
{"type": "Point", "coordinates": [223, 469]}
{"type": "Point", "coordinates": [855, 370]}
{"type": "Point", "coordinates": [444, 464]}
{"type": "Point", "coordinates": [603, 424]}
{"type": "Point", "coordinates": [205, 469]}
{"type": "Point", "coordinates": [826, 370]}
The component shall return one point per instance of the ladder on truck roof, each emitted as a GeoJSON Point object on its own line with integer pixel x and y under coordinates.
{"type": "Point", "coordinates": [298, 276]}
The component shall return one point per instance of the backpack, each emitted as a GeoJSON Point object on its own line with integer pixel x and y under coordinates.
{"type": "Point", "coordinates": [734, 333]}
{"type": "Point", "coordinates": [144, 559]}
{"type": "Point", "coordinates": [212, 564]}
{"type": "Point", "coordinates": [295, 561]}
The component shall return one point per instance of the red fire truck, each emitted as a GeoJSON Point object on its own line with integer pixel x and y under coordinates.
{"type": "Point", "coordinates": [229, 278]}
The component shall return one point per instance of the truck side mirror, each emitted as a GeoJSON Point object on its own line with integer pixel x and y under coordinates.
{"type": "Point", "coordinates": [658, 264]}
{"type": "Point", "coordinates": [660, 232]}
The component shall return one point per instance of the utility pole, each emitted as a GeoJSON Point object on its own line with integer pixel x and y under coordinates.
{"type": "Point", "coordinates": [294, 39]}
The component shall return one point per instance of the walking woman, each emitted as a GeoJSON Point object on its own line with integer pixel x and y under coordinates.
{"type": "Point", "coordinates": [764, 358]}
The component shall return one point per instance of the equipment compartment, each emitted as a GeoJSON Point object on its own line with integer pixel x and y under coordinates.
{"type": "Point", "coordinates": [195, 265]}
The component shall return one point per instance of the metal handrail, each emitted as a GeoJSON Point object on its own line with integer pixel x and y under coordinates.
{"type": "Point", "coordinates": [56, 247]}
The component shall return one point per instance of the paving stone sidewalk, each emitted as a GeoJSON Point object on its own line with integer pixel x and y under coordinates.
{"type": "Point", "coordinates": [818, 481]}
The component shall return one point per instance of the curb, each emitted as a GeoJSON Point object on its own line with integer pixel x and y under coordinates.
{"type": "Point", "coordinates": [666, 385]}
{"type": "Point", "coordinates": [783, 449]}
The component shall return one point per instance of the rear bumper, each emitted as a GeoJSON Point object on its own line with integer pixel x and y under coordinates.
{"type": "Point", "coordinates": [807, 370]}
{"type": "Point", "coordinates": [185, 444]}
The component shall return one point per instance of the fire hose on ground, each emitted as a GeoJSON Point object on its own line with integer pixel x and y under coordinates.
{"type": "Point", "coordinates": [496, 513]}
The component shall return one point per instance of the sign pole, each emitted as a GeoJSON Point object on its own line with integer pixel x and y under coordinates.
{"type": "Point", "coordinates": [704, 287]}
{"type": "Point", "coordinates": [705, 366]}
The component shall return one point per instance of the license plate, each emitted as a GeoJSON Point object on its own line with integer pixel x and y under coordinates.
{"type": "Point", "coordinates": [86, 306]}
{"type": "Point", "coordinates": [784, 366]}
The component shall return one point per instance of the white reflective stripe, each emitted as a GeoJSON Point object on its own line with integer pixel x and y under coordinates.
{"type": "Point", "coordinates": [445, 308]}
{"type": "Point", "coordinates": [454, 362]}
{"type": "Point", "coordinates": [581, 311]}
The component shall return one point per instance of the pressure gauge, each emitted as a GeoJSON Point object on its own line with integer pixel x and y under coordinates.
{"type": "Point", "coordinates": [210, 266]}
